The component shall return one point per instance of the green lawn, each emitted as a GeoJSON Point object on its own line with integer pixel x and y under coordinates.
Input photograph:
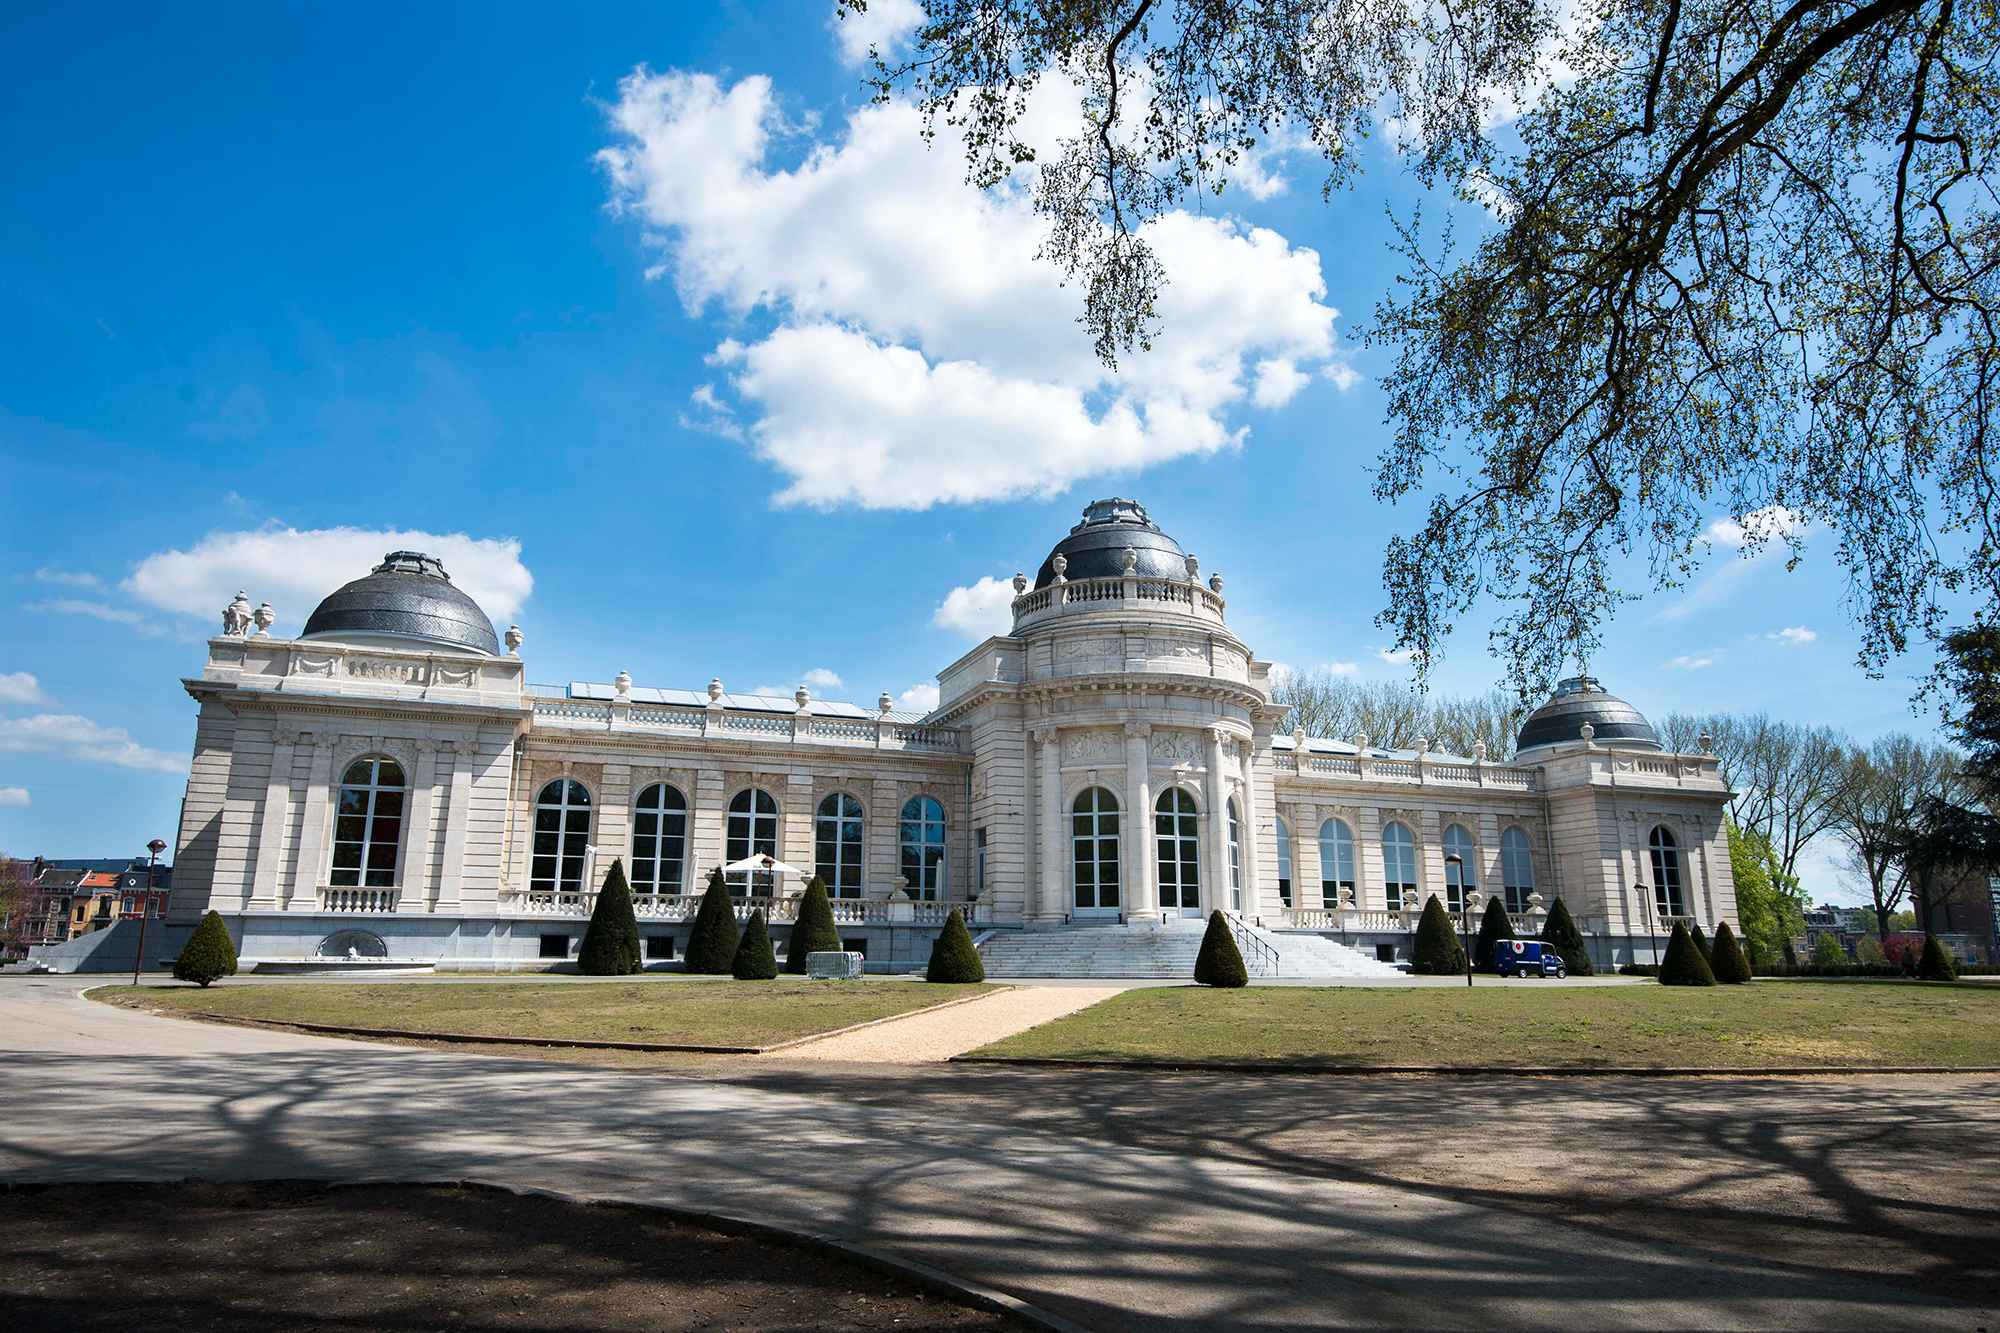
{"type": "Point", "coordinates": [713, 1013]}
{"type": "Point", "coordinates": [1766, 1023]}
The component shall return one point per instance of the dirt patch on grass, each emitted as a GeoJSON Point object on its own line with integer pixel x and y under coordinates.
{"type": "Point", "coordinates": [295, 1255]}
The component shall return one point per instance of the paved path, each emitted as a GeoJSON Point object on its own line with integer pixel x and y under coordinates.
{"type": "Point", "coordinates": [923, 1038]}
{"type": "Point", "coordinates": [1114, 1237]}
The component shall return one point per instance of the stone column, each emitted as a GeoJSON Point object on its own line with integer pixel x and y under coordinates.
{"type": "Point", "coordinates": [1218, 828]}
{"type": "Point", "coordinates": [1254, 905]}
{"type": "Point", "coordinates": [1048, 776]}
{"type": "Point", "coordinates": [1142, 888]}
{"type": "Point", "coordinates": [314, 848]}
{"type": "Point", "coordinates": [458, 801]}
{"type": "Point", "coordinates": [420, 838]}
{"type": "Point", "coordinates": [271, 825]}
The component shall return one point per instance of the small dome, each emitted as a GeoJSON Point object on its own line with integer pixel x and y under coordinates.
{"type": "Point", "coordinates": [1095, 548]}
{"type": "Point", "coordinates": [1581, 699]}
{"type": "Point", "coordinates": [407, 596]}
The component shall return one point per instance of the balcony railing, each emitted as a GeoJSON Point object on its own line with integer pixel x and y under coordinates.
{"type": "Point", "coordinates": [727, 724]}
{"type": "Point", "coordinates": [1083, 595]}
{"type": "Point", "coordinates": [357, 900]}
{"type": "Point", "coordinates": [1370, 920]}
{"type": "Point", "coordinates": [683, 906]}
{"type": "Point", "coordinates": [1420, 772]}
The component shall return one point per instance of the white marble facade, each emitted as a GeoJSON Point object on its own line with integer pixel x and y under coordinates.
{"type": "Point", "coordinates": [1111, 695]}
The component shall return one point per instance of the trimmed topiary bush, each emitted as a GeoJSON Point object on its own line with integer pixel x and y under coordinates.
{"type": "Point", "coordinates": [1494, 925]}
{"type": "Point", "coordinates": [1828, 953]}
{"type": "Point", "coordinates": [1788, 954]}
{"type": "Point", "coordinates": [1936, 962]}
{"type": "Point", "coordinates": [1701, 943]}
{"type": "Point", "coordinates": [754, 960]}
{"type": "Point", "coordinates": [208, 954]}
{"type": "Point", "coordinates": [711, 946]}
{"type": "Point", "coordinates": [1437, 951]}
{"type": "Point", "coordinates": [814, 930]}
{"type": "Point", "coordinates": [610, 945]}
{"type": "Point", "coordinates": [953, 959]}
{"type": "Point", "coordinates": [1220, 963]}
{"type": "Point", "coordinates": [1725, 958]}
{"type": "Point", "coordinates": [1683, 964]}
{"type": "Point", "coordinates": [1560, 930]}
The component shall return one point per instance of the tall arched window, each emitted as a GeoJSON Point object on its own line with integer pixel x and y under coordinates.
{"type": "Point", "coordinates": [1284, 863]}
{"type": "Point", "coordinates": [1667, 873]}
{"type": "Point", "coordinates": [1399, 866]}
{"type": "Point", "coordinates": [1517, 869]}
{"type": "Point", "coordinates": [1462, 876]}
{"type": "Point", "coordinates": [368, 825]}
{"type": "Point", "coordinates": [562, 833]}
{"type": "Point", "coordinates": [1336, 862]}
{"type": "Point", "coordinates": [1093, 841]}
{"type": "Point", "coordinates": [837, 834]}
{"type": "Point", "coordinates": [1235, 857]}
{"type": "Point", "coordinates": [923, 847]}
{"type": "Point", "coordinates": [659, 840]}
{"type": "Point", "coordinates": [1177, 832]}
{"type": "Point", "coordinates": [752, 831]}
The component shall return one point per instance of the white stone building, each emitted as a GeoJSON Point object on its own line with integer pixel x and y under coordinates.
{"type": "Point", "coordinates": [390, 786]}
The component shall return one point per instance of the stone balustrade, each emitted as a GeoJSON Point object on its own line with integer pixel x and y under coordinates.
{"type": "Point", "coordinates": [357, 900]}
{"type": "Point", "coordinates": [1363, 920]}
{"type": "Point", "coordinates": [553, 710]}
{"type": "Point", "coordinates": [1412, 772]}
{"type": "Point", "coordinates": [1140, 594]}
{"type": "Point", "coordinates": [676, 907]}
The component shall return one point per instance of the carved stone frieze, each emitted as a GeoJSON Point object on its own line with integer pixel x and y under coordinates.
{"type": "Point", "coordinates": [1082, 747]}
{"type": "Point", "coordinates": [1178, 747]}
{"type": "Point", "coordinates": [1079, 650]}
{"type": "Point", "coordinates": [1229, 661]}
{"type": "Point", "coordinates": [303, 665]}
{"type": "Point", "coordinates": [1186, 649]}
{"type": "Point", "coordinates": [394, 671]}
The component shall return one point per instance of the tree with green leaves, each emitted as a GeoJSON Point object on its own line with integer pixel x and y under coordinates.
{"type": "Point", "coordinates": [1725, 958]}
{"type": "Point", "coordinates": [1494, 925]}
{"type": "Point", "coordinates": [711, 945]}
{"type": "Point", "coordinates": [1437, 952]}
{"type": "Point", "coordinates": [209, 953]}
{"type": "Point", "coordinates": [754, 959]}
{"type": "Point", "coordinates": [1828, 953]}
{"type": "Point", "coordinates": [953, 959]}
{"type": "Point", "coordinates": [814, 929]}
{"type": "Point", "coordinates": [1769, 903]}
{"type": "Point", "coordinates": [1885, 789]}
{"type": "Point", "coordinates": [1559, 929]}
{"type": "Point", "coordinates": [610, 945]}
{"type": "Point", "coordinates": [1220, 962]}
{"type": "Point", "coordinates": [1683, 964]}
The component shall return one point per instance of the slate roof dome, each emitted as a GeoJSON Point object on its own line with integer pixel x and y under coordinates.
{"type": "Point", "coordinates": [1095, 548]}
{"type": "Point", "coordinates": [1581, 699]}
{"type": "Point", "coordinates": [407, 596]}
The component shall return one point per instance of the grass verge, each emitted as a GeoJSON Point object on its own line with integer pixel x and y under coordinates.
{"type": "Point", "coordinates": [1768, 1024]}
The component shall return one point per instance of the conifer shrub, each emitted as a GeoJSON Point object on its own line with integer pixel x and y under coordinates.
{"type": "Point", "coordinates": [1725, 958]}
{"type": "Point", "coordinates": [1701, 943]}
{"type": "Point", "coordinates": [1437, 952]}
{"type": "Point", "coordinates": [1789, 954]}
{"type": "Point", "coordinates": [1220, 963]}
{"type": "Point", "coordinates": [208, 954]}
{"type": "Point", "coordinates": [814, 931]}
{"type": "Point", "coordinates": [1493, 926]}
{"type": "Point", "coordinates": [1828, 953]}
{"type": "Point", "coordinates": [1560, 930]}
{"type": "Point", "coordinates": [711, 946]}
{"type": "Point", "coordinates": [754, 960]}
{"type": "Point", "coordinates": [610, 945]}
{"type": "Point", "coordinates": [1683, 964]}
{"type": "Point", "coordinates": [1936, 962]}
{"type": "Point", "coordinates": [953, 959]}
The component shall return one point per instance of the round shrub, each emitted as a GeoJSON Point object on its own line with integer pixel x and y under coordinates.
{"type": "Point", "coordinates": [1220, 963]}
{"type": "Point", "coordinates": [1683, 964]}
{"type": "Point", "coordinates": [953, 959]}
{"type": "Point", "coordinates": [208, 954]}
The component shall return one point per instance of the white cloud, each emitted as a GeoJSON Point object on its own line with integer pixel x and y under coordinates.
{"type": "Point", "coordinates": [1343, 668]}
{"type": "Point", "coordinates": [923, 354]}
{"type": "Point", "coordinates": [1692, 661]}
{"type": "Point", "coordinates": [80, 738]}
{"type": "Point", "coordinates": [1753, 536]}
{"type": "Point", "coordinates": [1396, 656]}
{"type": "Point", "coordinates": [982, 610]}
{"type": "Point", "coordinates": [18, 687]}
{"type": "Point", "coordinates": [885, 25]}
{"type": "Point", "coordinates": [819, 678]}
{"type": "Point", "coordinates": [1755, 528]}
{"type": "Point", "coordinates": [13, 796]}
{"type": "Point", "coordinates": [117, 615]}
{"type": "Point", "coordinates": [67, 578]}
{"type": "Point", "coordinates": [1796, 634]}
{"type": "Point", "coordinates": [293, 570]}
{"type": "Point", "coordinates": [918, 699]}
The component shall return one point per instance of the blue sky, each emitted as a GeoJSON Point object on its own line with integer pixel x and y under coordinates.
{"type": "Point", "coordinates": [701, 369]}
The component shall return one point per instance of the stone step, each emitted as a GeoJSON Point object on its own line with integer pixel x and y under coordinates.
{"type": "Point", "coordinates": [1149, 950]}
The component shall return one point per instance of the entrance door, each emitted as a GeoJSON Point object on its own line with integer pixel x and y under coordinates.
{"type": "Point", "coordinates": [1177, 832]}
{"type": "Point", "coordinates": [1094, 853]}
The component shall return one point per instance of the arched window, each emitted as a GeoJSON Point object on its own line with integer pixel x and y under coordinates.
{"type": "Point", "coordinates": [562, 832]}
{"type": "Point", "coordinates": [1399, 866]}
{"type": "Point", "coordinates": [752, 831]}
{"type": "Point", "coordinates": [368, 825]}
{"type": "Point", "coordinates": [1667, 873]}
{"type": "Point", "coordinates": [837, 845]}
{"type": "Point", "coordinates": [1517, 869]}
{"type": "Point", "coordinates": [659, 840]}
{"type": "Point", "coordinates": [1093, 840]}
{"type": "Point", "coordinates": [1462, 876]}
{"type": "Point", "coordinates": [1178, 834]}
{"type": "Point", "coordinates": [1235, 857]}
{"type": "Point", "coordinates": [1284, 863]}
{"type": "Point", "coordinates": [1336, 862]}
{"type": "Point", "coordinates": [923, 848]}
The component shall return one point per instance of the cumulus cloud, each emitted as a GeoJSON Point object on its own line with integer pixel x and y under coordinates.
{"type": "Point", "coordinates": [17, 796]}
{"type": "Point", "coordinates": [885, 26]}
{"type": "Point", "coordinates": [1396, 656]}
{"type": "Point", "coordinates": [1755, 528]}
{"type": "Point", "coordinates": [819, 678]}
{"type": "Point", "coordinates": [982, 610]}
{"type": "Point", "coordinates": [294, 569]}
{"type": "Point", "coordinates": [67, 578]}
{"type": "Point", "coordinates": [1752, 535]}
{"type": "Point", "coordinates": [923, 354]}
{"type": "Point", "coordinates": [1796, 634]}
{"type": "Point", "coordinates": [1692, 661]}
{"type": "Point", "coordinates": [117, 615]}
{"type": "Point", "coordinates": [918, 699]}
{"type": "Point", "coordinates": [18, 687]}
{"type": "Point", "coordinates": [80, 738]}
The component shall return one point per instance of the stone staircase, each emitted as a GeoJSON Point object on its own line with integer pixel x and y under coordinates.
{"type": "Point", "coordinates": [1155, 949]}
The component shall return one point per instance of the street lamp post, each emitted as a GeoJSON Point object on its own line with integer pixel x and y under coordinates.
{"type": "Point", "coordinates": [153, 850]}
{"type": "Point", "coordinates": [1455, 862]}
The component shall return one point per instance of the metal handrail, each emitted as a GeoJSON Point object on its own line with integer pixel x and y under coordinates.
{"type": "Point", "coordinates": [1266, 958]}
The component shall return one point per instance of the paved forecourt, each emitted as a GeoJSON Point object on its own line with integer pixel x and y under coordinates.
{"type": "Point", "coordinates": [1113, 1237]}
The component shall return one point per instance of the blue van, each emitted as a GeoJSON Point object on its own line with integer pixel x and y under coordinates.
{"type": "Point", "coordinates": [1527, 958]}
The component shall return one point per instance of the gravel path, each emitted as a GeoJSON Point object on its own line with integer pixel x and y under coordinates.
{"type": "Point", "coordinates": [922, 1038]}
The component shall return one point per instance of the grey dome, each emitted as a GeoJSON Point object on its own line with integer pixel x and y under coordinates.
{"type": "Point", "coordinates": [407, 596]}
{"type": "Point", "coordinates": [1095, 548]}
{"type": "Point", "coordinates": [1581, 699]}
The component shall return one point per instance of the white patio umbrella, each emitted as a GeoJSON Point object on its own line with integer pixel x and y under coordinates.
{"type": "Point", "coordinates": [765, 863]}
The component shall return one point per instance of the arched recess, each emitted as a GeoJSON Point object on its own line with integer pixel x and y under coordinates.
{"type": "Point", "coordinates": [1235, 856]}
{"type": "Point", "coordinates": [562, 835]}
{"type": "Point", "coordinates": [1096, 845]}
{"type": "Point", "coordinates": [1284, 861]}
{"type": "Point", "coordinates": [659, 840]}
{"type": "Point", "coordinates": [368, 824]}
